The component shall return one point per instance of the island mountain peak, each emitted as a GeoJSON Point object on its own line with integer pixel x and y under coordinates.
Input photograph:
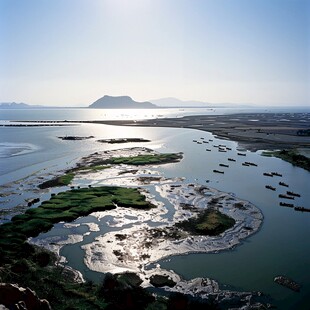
{"type": "Point", "coordinates": [120, 102]}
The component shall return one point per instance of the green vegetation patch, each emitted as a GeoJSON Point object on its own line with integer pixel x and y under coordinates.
{"type": "Point", "coordinates": [67, 206]}
{"type": "Point", "coordinates": [210, 222]}
{"type": "Point", "coordinates": [93, 168]}
{"type": "Point", "coordinates": [63, 180]}
{"type": "Point", "coordinates": [291, 156]}
{"type": "Point", "coordinates": [148, 159]}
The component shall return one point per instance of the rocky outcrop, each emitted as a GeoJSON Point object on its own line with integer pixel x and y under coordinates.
{"type": "Point", "coordinates": [18, 298]}
{"type": "Point", "coordinates": [287, 282]}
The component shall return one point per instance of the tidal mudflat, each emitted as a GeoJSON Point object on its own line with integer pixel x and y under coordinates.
{"type": "Point", "coordinates": [196, 168]}
{"type": "Point", "coordinates": [133, 238]}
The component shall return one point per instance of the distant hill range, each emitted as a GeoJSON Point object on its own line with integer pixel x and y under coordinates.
{"type": "Point", "coordinates": [171, 102]}
{"type": "Point", "coordinates": [14, 105]}
{"type": "Point", "coordinates": [120, 102]}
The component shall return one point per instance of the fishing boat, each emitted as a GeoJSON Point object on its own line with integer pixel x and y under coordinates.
{"type": "Point", "coordinates": [218, 171]}
{"type": "Point", "coordinates": [284, 204]}
{"type": "Point", "coordinates": [231, 159]}
{"type": "Point", "coordinates": [277, 174]}
{"type": "Point", "coordinates": [286, 197]}
{"type": "Point", "coordinates": [270, 187]}
{"type": "Point", "coordinates": [302, 209]}
{"type": "Point", "coordinates": [224, 165]}
{"type": "Point", "coordinates": [293, 194]}
{"type": "Point", "coordinates": [268, 174]}
{"type": "Point", "coordinates": [283, 184]}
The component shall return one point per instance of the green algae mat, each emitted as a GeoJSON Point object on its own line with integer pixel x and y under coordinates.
{"type": "Point", "coordinates": [66, 206]}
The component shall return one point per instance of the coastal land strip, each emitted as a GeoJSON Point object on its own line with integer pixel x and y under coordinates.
{"type": "Point", "coordinates": [253, 131]}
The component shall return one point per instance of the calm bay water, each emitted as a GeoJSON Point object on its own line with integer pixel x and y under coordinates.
{"type": "Point", "coordinates": [280, 247]}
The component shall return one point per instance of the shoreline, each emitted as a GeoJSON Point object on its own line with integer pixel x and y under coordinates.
{"type": "Point", "coordinates": [253, 131]}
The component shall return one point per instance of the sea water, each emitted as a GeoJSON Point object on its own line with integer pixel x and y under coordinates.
{"type": "Point", "coordinates": [280, 247]}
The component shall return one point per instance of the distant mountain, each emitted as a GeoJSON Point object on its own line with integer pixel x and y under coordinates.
{"type": "Point", "coordinates": [171, 102]}
{"type": "Point", "coordinates": [14, 105]}
{"type": "Point", "coordinates": [174, 102]}
{"type": "Point", "coordinates": [120, 102]}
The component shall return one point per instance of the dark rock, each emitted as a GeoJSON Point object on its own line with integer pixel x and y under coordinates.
{"type": "Point", "coordinates": [287, 282]}
{"type": "Point", "coordinates": [14, 297]}
{"type": "Point", "coordinates": [161, 280]}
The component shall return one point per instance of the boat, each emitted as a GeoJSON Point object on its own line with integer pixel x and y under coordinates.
{"type": "Point", "coordinates": [245, 164]}
{"type": "Point", "coordinates": [302, 209]}
{"type": "Point", "coordinates": [241, 154]}
{"type": "Point", "coordinates": [251, 164]}
{"type": "Point", "coordinates": [222, 150]}
{"type": "Point", "coordinates": [228, 148]}
{"type": "Point", "coordinates": [218, 171]}
{"type": "Point", "coordinates": [268, 174]}
{"type": "Point", "coordinates": [284, 204]}
{"type": "Point", "coordinates": [205, 142]}
{"type": "Point", "coordinates": [224, 165]}
{"type": "Point", "coordinates": [231, 159]}
{"type": "Point", "coordinates": [286, 197]}
{"type": "Point", "coordinates": [283, 184]}
{"type": "Point", "coordinates": [208, 150]}
{"type": "Point", "coordinates": [292, 194]}
{"type": "Point", "coordinates": [270, 187]}
{"type": "Point", "coordinates": [277, 174]}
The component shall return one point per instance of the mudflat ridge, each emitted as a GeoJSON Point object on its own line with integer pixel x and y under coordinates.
{"type": "Point", "coordinates": [254, 131]}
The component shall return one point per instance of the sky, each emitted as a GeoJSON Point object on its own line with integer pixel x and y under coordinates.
{"type": "Point", "coordinates": [72, 52]}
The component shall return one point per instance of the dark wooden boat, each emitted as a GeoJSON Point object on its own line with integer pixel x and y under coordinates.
{"type": "Point", "coordinates": [231, 159]}
{"type": "Point", "coordinates": [268, 174]}
{"type": "Point", "coordinates": [284, 204]}
{"type": "Point", "coordinates": [293, 194]}
{"type": "Point", "coordinates": [286, 197]}
{"type": "Point", "coordinates": [277, 174]}
{"type": "Point", "coordinates": [302, 209]}
{"type": "Point", "coordinates": [270, 187]}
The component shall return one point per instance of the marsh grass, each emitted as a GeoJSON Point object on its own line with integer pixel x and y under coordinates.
{"type": "Point", "coordinates": [66, 206]}
{"type": "Point", "coordinates": [291, 156]}
{"type": "Point", "coordinates": [148, 159]}
{"type": "Point", "coordinates": [210, 222]}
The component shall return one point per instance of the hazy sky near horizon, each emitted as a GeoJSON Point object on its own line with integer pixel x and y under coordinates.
{"type": "Point", "coordinates": [71, 52]}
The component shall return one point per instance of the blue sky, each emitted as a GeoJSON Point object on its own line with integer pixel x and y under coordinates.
{"type": "Point", "coordinates": [71, 52]}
